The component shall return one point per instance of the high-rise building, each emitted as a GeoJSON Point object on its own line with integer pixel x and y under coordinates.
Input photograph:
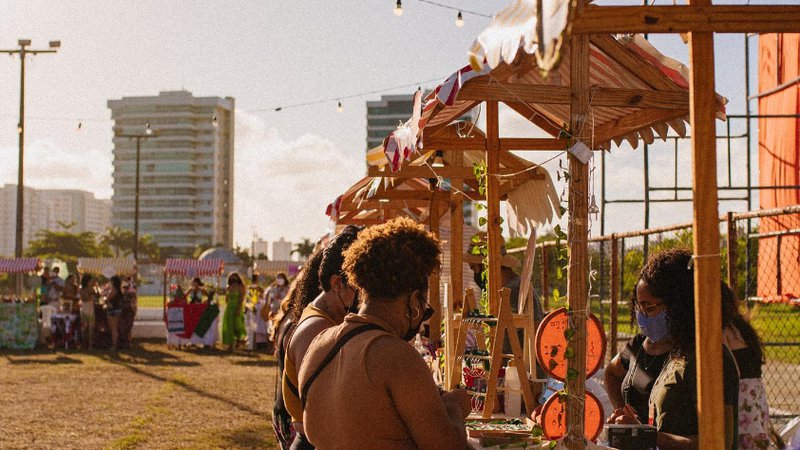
{"type": "Point", "coordinates": [281, 250]}
{"type": "Point", "coordinates": [260, 247]}
{"type": "Point", "coordinates": [385, 114]}
{"type": "Point", "coordinates": [186, 168]}
{"type": "Point", "coordinates": [50, 209]}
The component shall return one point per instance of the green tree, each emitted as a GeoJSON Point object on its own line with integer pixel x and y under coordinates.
{"type": "Point", "coordinates": [120, 241]}
{"type": "Point", "coordinates": [244, 254]}
{"type": "Point", "coordinates": [66, 246]}
{"type": "Point", "coordinates": [304, 249]}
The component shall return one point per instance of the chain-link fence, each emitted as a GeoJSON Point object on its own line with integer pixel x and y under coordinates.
{"type": "Point", "coordinates": [762, 250]}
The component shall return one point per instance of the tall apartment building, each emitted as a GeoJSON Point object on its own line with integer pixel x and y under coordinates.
{"type": "Point", "coordinates": [281, 250]}
{"type": "Point", "coordinates": [186, 168]}
{"type": "Point", "coordinates": [46, 209]}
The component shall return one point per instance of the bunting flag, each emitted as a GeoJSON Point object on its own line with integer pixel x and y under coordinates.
{"type": "Point", "coordinates": [333, 209]}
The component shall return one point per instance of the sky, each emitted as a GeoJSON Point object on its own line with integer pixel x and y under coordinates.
{"type": "Point", "coordinates": [290, 164]}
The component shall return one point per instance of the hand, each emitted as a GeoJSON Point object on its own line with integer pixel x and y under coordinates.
{"type": "Point", "coordinates": [624, 415]}
{"type": "Point", "coordinates": [537, 415]}
{"type": "Point", "coordinates": [460, 398]}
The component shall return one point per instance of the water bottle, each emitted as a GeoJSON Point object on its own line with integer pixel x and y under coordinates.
{"type": "Point", "coordinates": [513, 399]}
{"type": "Point", "coordinates": [423, 350]}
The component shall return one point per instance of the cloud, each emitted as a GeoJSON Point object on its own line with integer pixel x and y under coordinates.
{"type": "Point", "coordinates": [282, 186]}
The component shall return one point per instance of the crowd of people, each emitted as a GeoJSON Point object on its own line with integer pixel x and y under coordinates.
{"type": "Point", "coordinates": [98, 315]}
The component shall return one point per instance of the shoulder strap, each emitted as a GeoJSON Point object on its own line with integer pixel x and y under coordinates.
{"type": "Point", "coordinates": [332, 354]}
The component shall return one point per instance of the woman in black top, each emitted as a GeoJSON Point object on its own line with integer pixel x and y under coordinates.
{"type": "Point", "coordinates": [630, 376]}
{"type": "Point", "coordinates": [114, 310]}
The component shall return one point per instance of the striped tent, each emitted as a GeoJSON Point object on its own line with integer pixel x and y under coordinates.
{"type": "Point", "coordinates": [193, 267]}
{"type": "Point", "coordinates": [273, 268]}
{"type": "Point", "coordinates": [20, 265]}
{"type": "Point", "coordinates": [106, 266]}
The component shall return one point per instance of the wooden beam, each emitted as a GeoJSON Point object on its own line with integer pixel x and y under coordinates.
{"type": "Point", "coordinates": [434, 298]}
{"type": "Point", "coordinates": [560, 95]}
{"type": "Point", "coordinates": [457, 249]}
{"type": "Point", "coordinates": [707, 306]}
{"type": "Point", "coordinates": [578, 237]}
{"type": "Point", "coordinates": [535, 117]}
{"type": "Point", "coordinates": [628, 59]}
{"type": "Point", "coordinates": [406, 194]}
{"type": "Point", "coordinates": [453, 143]}
{"type": "Point", "coordinates": [686, 18]}
{"type": "Point", "coordinates": [494, 236]}
{"type": "Point", "coordinates": [636, 121]}
{"type": "Point", "coordinates": [388, 204]}
{"type": "Point", "coordinates": [421, 172]}
{"type": "Point", "coordinates": [545, 144]}
{"type": "Point", "coordinates": [615, 296]}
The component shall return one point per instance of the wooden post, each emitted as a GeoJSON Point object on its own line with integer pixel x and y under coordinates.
{"type": "Point", "coordinates": [707, 307]}
{"type": "Point", "coordinates": [614, 297]}
{"type": "Point", "coordinates": [732, 249]}
{"type": "Point", "coordinates": [434, 297]}
{"type": "Point", "coordinates": [495, 239]}
{"type": "Point", "coordinates": [456, 159]}
{"type": "Point", "coordinates": [545, 283]}
{"type": "Point", "coordinates": [578, 236]}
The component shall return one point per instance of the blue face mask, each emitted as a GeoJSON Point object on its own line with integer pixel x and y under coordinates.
{"type": "Point", "coordinates": [655, 328]}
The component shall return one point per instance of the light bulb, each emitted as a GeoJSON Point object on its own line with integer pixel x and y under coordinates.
{"type": "Point", "coordinates": [19, 129]}
{"type": "Point", "coordinates": [398, 8]}
{"type": "Point", "coordinates": [339, 107]}
{"type": "Point", "coordinates": [147, 130]}
{"type": "Point", "coordinates": [460, 20]}
{"type": "Point", "coordinates": [438, 159]}
{"type": "Point", "coordinates": [214, 122]}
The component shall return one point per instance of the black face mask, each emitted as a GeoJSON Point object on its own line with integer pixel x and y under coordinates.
{"type": "Point", "coordinates": [478, 278]}
{"type": "Point", "coordinates": [356, 304]}
{"type": "Point", "coordinates": [413, 330]}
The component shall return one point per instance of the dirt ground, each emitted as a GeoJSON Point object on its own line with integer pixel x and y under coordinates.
{"type": "Point", "coordinates": [147, 397]}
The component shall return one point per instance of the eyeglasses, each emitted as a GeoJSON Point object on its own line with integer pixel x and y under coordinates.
{"type": "Point", "coordinates": [427, 313]}
{"type": "Point", "coordinates": [646, 309]}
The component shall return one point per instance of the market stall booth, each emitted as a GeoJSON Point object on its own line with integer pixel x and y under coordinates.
{"type": "Point", "coordinates": [108, 267]}
{"type": "Point", "coordinates": [197, 323]}
{"type": "Point", "coordinates": [19, 317]}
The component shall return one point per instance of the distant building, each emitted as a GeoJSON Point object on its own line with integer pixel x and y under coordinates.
{"type": "Point", "coordinates": [281, 250]}
{"type": "Point", "coordinates": [186, 169]}
{"type": "Point", "coordinates": [260, 247]}
{"type": "Point", "coordinates": [46, 209]}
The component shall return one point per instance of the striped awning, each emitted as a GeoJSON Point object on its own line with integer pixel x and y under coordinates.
{"type": "Point", "coordinates": [20, 265]}
{"type": "Point", "coordinates": [107, 266]}
{"type": "Point", "coordinates": [273, 268]}
{"type": "Point", "coordinates": [193, 267]}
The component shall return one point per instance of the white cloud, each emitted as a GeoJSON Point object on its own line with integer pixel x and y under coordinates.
{"type": "Point", "coordinates": [283, 186]}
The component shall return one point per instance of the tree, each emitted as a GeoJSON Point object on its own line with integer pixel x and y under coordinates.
{"type": "Point", "coordinates": [66, 246]}
{"type": "Point", "coordinates": [120, 241]}
{"type": "Point", "coordinates": [304, 249]}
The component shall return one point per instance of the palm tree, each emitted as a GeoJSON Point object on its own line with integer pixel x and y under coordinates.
{"type": "Point", "coordinates": [119, 240]}
{"type": "Point", "coordinates": [304, 249]}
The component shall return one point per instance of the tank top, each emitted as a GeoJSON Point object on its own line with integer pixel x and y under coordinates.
{"type": "Point", "coordinates": [289, 385]}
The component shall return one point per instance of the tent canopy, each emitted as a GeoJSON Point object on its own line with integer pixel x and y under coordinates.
{"type": "Point", "coordinates": [106, 266]}
{"type": "Point", "coordinates": [273, 268]}
{"type": "Point", "coordinates": [20, 265]}
{"type": "Point", "coordinates": [193, 267]}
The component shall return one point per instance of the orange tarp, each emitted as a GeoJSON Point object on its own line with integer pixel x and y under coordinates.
{"type": "Point", "coordinates": [779, 164]}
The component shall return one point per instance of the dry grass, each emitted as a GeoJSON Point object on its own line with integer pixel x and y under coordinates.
{"type": "Point", "coordinates": [147, 397]}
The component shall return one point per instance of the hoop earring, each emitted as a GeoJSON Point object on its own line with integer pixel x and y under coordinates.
{"type": "Point", "coordinates": [416, 313]}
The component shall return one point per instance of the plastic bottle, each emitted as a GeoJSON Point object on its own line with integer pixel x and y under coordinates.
{"type": "Point", "coordinates": [513, 399]}
{"type": "Point", "coordinates": [422, 350]}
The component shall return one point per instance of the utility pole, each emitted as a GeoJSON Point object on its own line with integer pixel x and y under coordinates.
{"type": "Point", "coordinates": [23, 51]}
{"type": "Point", "coordinates": [148, 132]}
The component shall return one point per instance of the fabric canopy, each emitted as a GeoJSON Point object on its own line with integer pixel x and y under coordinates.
{"type": "Point", "coordinates": [19, 265]}
{"type": "Point", "coordinates": [107, 266]}
{"type": "Point", "coordinates": [193, 267]}
{"type": "Point", "coordinates": [273, 268]}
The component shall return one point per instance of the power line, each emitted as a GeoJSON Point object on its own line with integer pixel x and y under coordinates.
{"type": "Point", "coordinates": [454, 8]}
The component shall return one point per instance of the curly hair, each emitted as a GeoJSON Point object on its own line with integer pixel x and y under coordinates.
{"type": "Point", "coordinates": [392, 259]}
{"type": "Point", "coordinates": [306, 284]}
{"type": "Point", "coordinates": [732, 316]}
{"type": "Point", "coordinates": [669, 276]}
{"type": "Point", "coordinates": [333, 256]}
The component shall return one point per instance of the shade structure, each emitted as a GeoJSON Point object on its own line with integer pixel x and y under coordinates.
{"type": "Point", "coordinates": [106, 266]}
{"type": "Point", "coordinates": [194, 268]}
{"type": "Point", "coordinates": [273, 268]}
{"type": "Point", "coordinates": [20, 265]}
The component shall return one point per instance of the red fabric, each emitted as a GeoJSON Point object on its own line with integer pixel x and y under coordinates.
{"type": "Point", "coordinates": [779, 165]}
{"type": "Point", "coordinates": [191, 316]}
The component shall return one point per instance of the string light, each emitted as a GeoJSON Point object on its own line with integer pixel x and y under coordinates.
{"type": "Point", "coordinates": [339, 107]}
{"type": "Point", "coordinates": [147, 130]}
{"type": "Point", "coordinates": [19, 129]}
{"type": "Point", "coordinates": [460, 20]}
{"type": "Point", "coordinates": [398, 8]}
{"type": "Point", "coordinates": [214, 122]}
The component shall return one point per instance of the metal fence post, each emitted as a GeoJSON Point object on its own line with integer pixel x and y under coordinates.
{"type": "Point", "coordinates": [731, 251]}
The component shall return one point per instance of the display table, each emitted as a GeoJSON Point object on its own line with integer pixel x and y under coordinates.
{"type": "Point", "coordinates": [19, 325]}
{"type": "Point", "coordinates": [189, 324]}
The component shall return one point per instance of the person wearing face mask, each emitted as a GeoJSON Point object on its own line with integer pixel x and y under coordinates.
{"type": "Point", "coordinates": [364, 386]}
{"type": "Point", "coordinates": [663, 305]}
{"type": "Point", "coordinates": [325, 311]}
{"type": "Point", "coordinates": [267, 307]}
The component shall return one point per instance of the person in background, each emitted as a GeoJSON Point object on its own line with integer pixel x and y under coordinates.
{"type": "Point", "coordinates": [302, 290]}
{"type": "Point", "coordinates": [196, 292]}
{"type": "Point", "coordinates": [44, 298]}
{"type": "Point", "coordinates": [325, 311]}
{"type": "Point", "coordinates": [233, 329]}
{"type": "Point", "coordinates": [271, 302]}
{"type": "Point", "coordinates": [128, 316]}
{"type": "Point", "coordinates": [56, 287]}
{"type": "Point", "coordinates": [70, 293]}
{"type": "Point", "coordinates": [178, 297]}
{"type": "Point", "coordinates": [114, 310]}
{"type": "Point", "coordinates": [664, 307]}
{"type": "Point", "coordinates": [89, 296]}
{"type": "Point", "coordinates": [377, 392]}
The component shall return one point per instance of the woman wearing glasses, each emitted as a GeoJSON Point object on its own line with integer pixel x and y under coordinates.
{"type": "Point", "coordinates": [664, 309]}
{"type": "Point", "coordinates": [362, 384]}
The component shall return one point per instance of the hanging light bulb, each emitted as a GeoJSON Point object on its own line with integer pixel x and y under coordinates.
{"type": "Point", "coordinates": [339, 107]}
{"type": "Point", "coordinates": [593, 209]}
{"type": "Point", "coordinates": [214, 121]}
{"type": "Point", "coordinates": [438, 160]}
{"type": "Point", "coordinates": [398, 8]}
{"type": "Point", "coordinates": [147, 130]}
{"type": "Point", "coordinates": [80, 126]}
{"type": "Point", "coordinates": [19, 129]}
{"type": "Point", "coordinates": [460, 20]}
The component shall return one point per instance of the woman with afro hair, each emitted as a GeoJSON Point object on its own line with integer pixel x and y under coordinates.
{"type": "Point", "coordinates": [362, 383]}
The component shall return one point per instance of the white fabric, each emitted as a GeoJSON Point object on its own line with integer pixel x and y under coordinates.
{"type": "Point", "coordinates": [211, 337]}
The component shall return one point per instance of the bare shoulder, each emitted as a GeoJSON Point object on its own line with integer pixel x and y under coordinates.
{"type": "Point", "coordinates": [304, 335]}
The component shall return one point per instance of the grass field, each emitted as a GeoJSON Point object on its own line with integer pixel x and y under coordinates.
{"type": "Point", "coordinates": [147, 397]}
{"type": "Point", "coordinates": [151, 301]}
{"type": "Point", "coordinates": [778, 325]}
